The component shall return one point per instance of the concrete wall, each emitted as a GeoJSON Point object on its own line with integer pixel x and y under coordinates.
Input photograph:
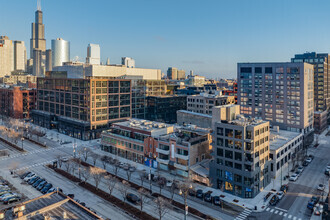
{"type": "Point", "coordinates": [201, 120]}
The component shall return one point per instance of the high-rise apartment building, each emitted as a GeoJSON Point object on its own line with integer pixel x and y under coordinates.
{"type": "Point", "coordinates": [49, 66]}
{"type": "Point", "coordinates": [93, 54]}
{"type": "Point", "coordinates": [321, 77]}
{"type": "Point", "coordinates": [6, 56]}
{"type": "Point", "coordinates": [282, 93]}
{"type": "Point", "coordinates": [128, 62]}
{"type": "Point", "coordinates": [19, 56]}
{"type": "Point", "coordinates": [240, 146]}
{"type": "Point", "coordinates": [175, 74]}
{"type": "Point", "coordinates": [60, 52]}
{"type": "Point", "coordinates": [38, 45]}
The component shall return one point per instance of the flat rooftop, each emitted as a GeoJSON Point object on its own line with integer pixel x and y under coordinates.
{"type": "Point", "coordinates": [55, 206]}
{"type": "Point", "coordinates": [142, 124]}
{"type": "Point", "coordinates": [278, 139]}
{"type": "Point", "coordinates": [195, 113]}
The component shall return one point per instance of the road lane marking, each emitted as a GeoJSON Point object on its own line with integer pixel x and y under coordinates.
{"type": "Point", "coordinates": [272, 210]}
{"type": "Point", "coordinates": [267, 209]}
{"type": "Point", "coordinates": [281, 213]}
{"type": "Point", "coordinates": [281, 209]}
{"type": "Point", "coordinates": [290, 216]}
{"type": "Point", "coordinates": [285, 214]}
{"type": "Point", "coordinates": [276, 212]}
{"type": "Point", "coordinates": [294, 218]}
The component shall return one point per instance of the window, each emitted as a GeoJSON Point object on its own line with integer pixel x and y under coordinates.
{"type": "Point", "coordinates": [256, 133]}
{"type": "Point", "coordinates": [219, 152]}
{"type": "Point", "coordinates": [228, 163]}
{"type": "Point", "coordinates": [238, 166]}
{"type": "Point", "coordinates": [228, 154]}
{"type": "Point", "coordinates": [219, 141]}
{"type": "Point", "coordinates": [220, 131]}
{"type": "Point", "coordinates": [229, 132]}
{"type": "Point", "coordinates": [238, 156]}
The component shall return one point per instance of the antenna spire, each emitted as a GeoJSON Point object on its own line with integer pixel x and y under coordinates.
{"type": "Point", "coordinates": [39, 5]}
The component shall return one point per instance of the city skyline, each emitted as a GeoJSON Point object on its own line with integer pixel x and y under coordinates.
{"type": "Point", "coordinates": [184, 36]}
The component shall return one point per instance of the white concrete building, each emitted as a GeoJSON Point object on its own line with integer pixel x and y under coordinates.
{"type": "Point", "coordinates": [6, 56]}
{"type": "Point", "coordinates": [128, 62]}
{"type": "Point", "coordinates": [93, 54]}
{"type": "Point", "coordinates": [284, 146]}
{"type": "Point", "coordinates": [19, 55]}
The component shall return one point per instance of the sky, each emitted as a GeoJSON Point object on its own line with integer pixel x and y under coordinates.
{"type": "Point", "coordinates": [208, 37]}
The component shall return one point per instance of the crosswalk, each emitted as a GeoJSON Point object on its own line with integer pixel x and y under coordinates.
{"type": "Point", "coordinates": [243, 215]}
{"type": "Point", "coordinates": [35, 165]}
{"type": "Point", "coordinates": [282, 212]}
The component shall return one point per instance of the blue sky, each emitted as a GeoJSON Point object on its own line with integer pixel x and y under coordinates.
{"type": "Point", "coordinates": [206, 36]}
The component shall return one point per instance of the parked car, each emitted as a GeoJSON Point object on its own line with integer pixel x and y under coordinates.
{"type": "Point", "coordinates": [298, 173]}
{"type": "Point", "coordinates": [169, 183]}
{"type": "Point", "coordinates": [65, 159]}
{"type": "Point", "coordinates": [274, 200]}
{"type": "Point", "coordinates": [46, 188]}
{"type": "Point", "coordinates": [327, 172]}
{"type": "Point", "coordinates": [33, 180]}
{"type": "Point", "coordinates": [312, 202]}
{"type": "Point", "coordinates": [311, 156]}
{"type": "Point", "coordinates": [4, 192]}
{"type": "Point", "coordinates": [192, 192]}
{"type": "Point", "coordinates": [133, 198]}
{"type": "Point", "coordinates": [216, 200]}
{"type": "Point", "coordinates": [24, 175]}
{"type": "Point", "coordinates": [300, 169]}
{"type": "Point", "coordinates": [199, 194]}
{"type": "Point", "coordinates": [280, 195]}
{"type": "Point", "coordinates": [318, 209]}
{"type": "Point", "coordinates": [51, 190]}
{"type": "Point", "coordinates": [305, 163]}
{"type": "Point", "coordinates": [321, 187]}
{"type": "Point", "coordinates": [37, 182]}
{"type": "Point", "coordinates": [327, 168]}
{"type": "Point", "coordinates": [132, 169]}
{"type": "Point", "coordinates": [284, 188]}
{"type": "Point", "coordinates": [7, 195]}
{"type": "Point", "coordinates": [28, 177]}
{"type": "Point", "coordinates": [208, 197]}
{"type": "Point", "coordinates": [309, 159]}
{"type": "Point", "coordinates": [71, 195]}
{"type": "Point", "coordinates": [41, 185]}
{"type": "Point", "coordinates": [11, 199]}
{"type": "Point", "coordinates": [293, 177]}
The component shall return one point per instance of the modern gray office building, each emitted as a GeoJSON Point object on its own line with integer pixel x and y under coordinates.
{"type": "Point", "coordinates": [240, 151]}
{"type": "Point", "coordinates": [281, 93]}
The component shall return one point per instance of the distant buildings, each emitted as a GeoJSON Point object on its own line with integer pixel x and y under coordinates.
{"type": "Point", "coordinates": [81, 108]}
{"type": "Point", "coordinates": [19, 56]}
{"type": "Point", "coordinates": [175, 74]}
{"type": "Point", "coordinates": [17, 102]}
{"type": "Point", "coordinates": [204, 102]}
{"type": "Point", "coordinates": [21, 79]}
{"type": "Point", "coordinates": [163, 108]}
{"type": "Point", "coordinates": [128, 62]}
{"type": "Point", "coordinates": [231, 92]}
{"type": "Point", "coordinates": [93, 54]}
{"type": "Point", "coordinates": [195, 80]}
{"type": "Point", "coordinates": [240, 163]}
{"type": "Point", "coordinates": [282, 93]}
{"type": "Point", "coordinates": [38, 45]}
{"type": "Point", "coordinates": [49, 61]}
{"type": "Point", "coordinates": [6, 56]}
{"type": "Point", "coordinates": [60, 52]}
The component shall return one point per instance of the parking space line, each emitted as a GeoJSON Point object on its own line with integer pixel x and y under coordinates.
{"type": "Point", "coordinates": [290, 216]}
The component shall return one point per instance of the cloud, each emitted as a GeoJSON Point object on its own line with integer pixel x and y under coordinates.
{"type": "Point", "coordinates": [194, 61]}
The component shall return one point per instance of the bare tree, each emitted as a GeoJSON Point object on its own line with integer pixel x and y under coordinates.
{"type": "Point", "coordinates": [172, 190]}
{"type": "Point", "coordinates": [111, 182]}
{"type": "Point", "coordinates": [143, 194]}
{"type": "Point", "coordinates": [80, 170]}
{"type": "Point", "coordinates": [162, 206]}
{"type": "Point", "coordinates": [115, 167]}
{"type": "Point", "coordinates": [85, 174]}
{"type": "Point", "coordinates": [142, 176]}
{"type": "Point", "coordinates": [86, 152]}
{"type": "Point", "coordinates": [94, 157]}
{"type": "Point", "coordinates": [59, 160]}
{"type": "Point", "coordinates": [74, 167]}
{"type": "Point", "coordinates": [97, 174]}
{"type": "Point", "coordinates": [129, 172]}
{"type": "Point", "coordinates": [104, 160]}
{"type": "Point", "coordinates": [123, 189]}
{"type": "Point", "coordinates": [161, 184]}
{"type": "Point", "coordinates": [67, 165]}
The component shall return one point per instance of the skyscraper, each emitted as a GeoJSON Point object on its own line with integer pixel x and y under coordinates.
{"type": "Point", "coordinates": [19, 55]}
{"type": "Point", "coordinates": [175, 74]}
{"type": "Point", "coordinates": [38, 42]}
{"type": "Point", "coordinates": [49, 66]}
{"type": "Point", "coordinates": [60, 52]}
{"type": "Point", "coordinates": [128, 62]}
{"type": "Point", "coordinates": [6, 56]}
{"type": "Point", "coordinates": [93, 54]}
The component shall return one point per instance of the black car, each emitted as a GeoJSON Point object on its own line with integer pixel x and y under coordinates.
{"type": "Point", "coordinates": [37, 182]}
{"type": "Point", "coordinates": [132, 198]}
{"type": "Point", "coordinates": [24, 175]}
{"type": "Point", "coordinates": [11, 199]}
{"type": "Point", "coordinates": [216, 200]}
{"type": "Point", "coordinates": [192, 192]}
{"type": "Point", "coordinates": [284, 188]}
{"type": "Point", "coordinates": [199, 194]}
{"type": "Point", "coordinates": [305, 164]}
{"type": "Point", "coordinates": [41, 185]}
{"type": "Point", "coordinates": [46, 188]}
{"type": "Point", "coordinates": [208, 197]}
{"type": "Point", "coordinates": [71, 195]}
{"type": "Point", "coordinates": [33, 180]}
{"type": "Point", "coordinates": [274, 200]}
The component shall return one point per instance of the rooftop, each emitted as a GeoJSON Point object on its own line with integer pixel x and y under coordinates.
{"type": "Point", "coordinates": [279, 138]}
{"type": "Point", "coordinates": [143, 124]}
{"type": "Point", "coordinates": [53, 205]}
{"type": "Point", "coordinates": [195, 113]}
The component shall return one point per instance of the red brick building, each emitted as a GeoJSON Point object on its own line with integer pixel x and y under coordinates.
{"type": "Point", "coordinates": [16, 101]}
{"type": "Point", "coordinates": [232, 92]}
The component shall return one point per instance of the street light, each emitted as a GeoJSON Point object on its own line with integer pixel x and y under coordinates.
{"type": "Point", "coordinates": [22, 139]}
{"type": "Point", "coordinates": [184, 190]}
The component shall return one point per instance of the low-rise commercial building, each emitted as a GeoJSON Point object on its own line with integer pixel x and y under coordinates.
{"type": "Point", "coordinates": [240, 147]}
{"type": "Point", "coordinates": [204, 102]}
{"type": "Point", "coordinates": [16, 101]}
{"type": "Point", "coordinates": [185, 117]}
{"type": "Point", "coordinates": [81, 108]}
{"type": "Point", "coordinates": [285, 151]}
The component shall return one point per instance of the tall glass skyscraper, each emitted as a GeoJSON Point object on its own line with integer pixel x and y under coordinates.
{"type": "Point", "coordinates": [60, 52]}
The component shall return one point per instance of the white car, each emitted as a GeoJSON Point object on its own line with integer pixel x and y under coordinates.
{"type": "Point", "coordinates": [300, 169]}
{"type": "Point", "coordinates": [280, 195]}
{"type": "Point", "coordinates": [320, 187]}
{"type": "Point", "coordinates": [293, 177]}
{"type": "Point", "coordinates": [169, 183]}
{"type": "Point", "coordinates": [308, 160]}
{"type": "Point", "coordinates": [28, 177]}
{"type": "Point", "coordinates": [327, 168]}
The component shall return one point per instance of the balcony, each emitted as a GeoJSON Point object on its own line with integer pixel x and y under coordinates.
{"type": "Point", "coordinates": [163, 161]}
{"type": "Point", "coordinates": [166, 152]}
{"type": "Point", "coordinates": [180, 156]}
{"type": "Point", "coordinates": [181, 167]}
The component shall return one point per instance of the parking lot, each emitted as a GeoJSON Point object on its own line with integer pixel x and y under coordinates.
{"type": "Point", "coordinates": [9, 195]}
